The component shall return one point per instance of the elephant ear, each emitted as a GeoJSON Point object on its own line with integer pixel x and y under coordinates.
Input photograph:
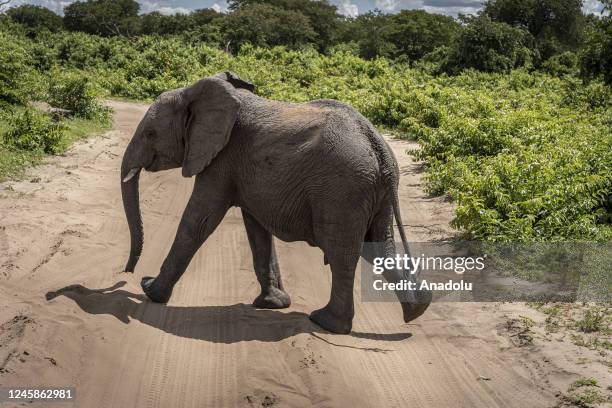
{"type": "Point", "coordinates": [212, 109]}
{"type": "Point", "coordinates": [236, 81]}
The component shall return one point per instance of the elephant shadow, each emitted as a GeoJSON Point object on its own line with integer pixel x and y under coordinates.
{"type": "Point", "coordinates": [218, 324]}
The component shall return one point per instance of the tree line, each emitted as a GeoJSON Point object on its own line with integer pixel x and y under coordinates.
{"type": "Point", "coordinates": [554, 35]}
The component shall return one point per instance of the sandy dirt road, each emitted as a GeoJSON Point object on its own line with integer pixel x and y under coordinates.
{"type": "Point", "coordinates": [69, 317]}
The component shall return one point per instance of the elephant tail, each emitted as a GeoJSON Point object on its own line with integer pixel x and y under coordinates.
{"type": "Point", "coordinates": [398, 218]}
{"type": "Point", "coordinates": [390, 175]}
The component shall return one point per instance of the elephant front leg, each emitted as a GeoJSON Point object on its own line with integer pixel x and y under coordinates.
{"type": "Point", "coordinates": [266, 267]}
{"type": "Point", "coordinates": [199, 220]}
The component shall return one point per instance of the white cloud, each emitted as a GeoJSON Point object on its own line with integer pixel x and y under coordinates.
{"type": "Point", "coordinates": [387, 5]}
{"type": "Point", "coordinates": [165, 10]}
{"type": "Point", "coordinates": [592, 6]}
{"type": "Point", "coordinates": [348, 9]}
{"type": "Point", "coordinates": [150, 6]}
{"type": "Point", "coordinates": [220, 8]}
{"type": "Point", "coordinates": [451, 11]}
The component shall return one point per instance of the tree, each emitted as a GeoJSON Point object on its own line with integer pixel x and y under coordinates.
{"type": "Point", "coordinates": [409, 34]}
{"type": "Point", "coordinates": [596, 55]}
{"type": "Point", "coordinates": [556, 25]}
{"type": "Point", "coordinates": [371, 32]}
{"type": "Point", "coordinates": [103, 17]}
{"type": "Point", "coordinates": [35, 17]}
{"type": "Point", "coordinates": [157, 23]}
{"type": "Point", "coordinates": [517, 13]}
{"type": "Point", "coordinates": [322, 17]}
{"type": "Point", "coordinates": [265, 25]}
{"type": "Point", "coordinates": [488, 46]}
{"type": "Point", "coordinates": [415, 33]}
{"type": "Point", "coordinates": [202, 17]}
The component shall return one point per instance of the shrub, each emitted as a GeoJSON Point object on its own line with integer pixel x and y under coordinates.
{"type": "Point", "coordinates": [75, 93]}
{"type": "Point", "coordinates": [592, 321]}
{"type": "Point", "coordinates": [562, 64]}
{"type": "Point", "coordinates": [524, 161]}
{"type": "Point", "coordinates": [17, 78]}
{"type": "Point", "coordinates": [34, 131]}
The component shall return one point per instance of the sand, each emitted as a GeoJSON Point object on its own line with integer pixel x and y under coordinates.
{"type": "Point", "coordinates": [70, 317]}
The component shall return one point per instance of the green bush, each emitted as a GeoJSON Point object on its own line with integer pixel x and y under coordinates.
{"type": "Point", "coordinates": [75, 93]}
{"type": "Point", "coordinates": [34, 131]}
{"type": "Point", "coordinates": [562, 64]}
{"type": "Point", "coordinates": [525, 161]}
{"type": "Point", "coordinates": [18, 81]}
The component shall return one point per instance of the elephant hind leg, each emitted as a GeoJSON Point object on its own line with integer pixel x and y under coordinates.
{"type": "Point", "coordinates": [341, 242]}
{"type": "Point", "coordinates": [337, 315]}
{"type": "Point", "coordinates": [273, 295]}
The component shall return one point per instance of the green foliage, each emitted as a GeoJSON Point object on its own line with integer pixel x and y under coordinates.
{"type": "Point", "coordinates": [203, 25]}
{"type": "Point", "coordinates": [17, 77]}
{"type": "Point", "coordinates": [103, 17]}
{"type": "Point", "coordinates": [34, 131]}
{"type": "Point", "coordinates": [523, 160]}
{"type": "Point", "coordinates": [371, 32]}
{"type": "Point", "coordinates": [320, 17]}
{"type": "Point", "coordinates": [488, 46]}
{"type": "Point", "coordinates": [408, 35]}
{"type": "Point", "coordinates": [75, 93]}
{"type": "Point", "coordinates": [596, 55]}
{"type": "Point", "coordinates": [506, 34]}
{"type": "Point", "coordinates": [593, 321]}
{"type": "Point", "coordinates": [160, 24]}
{"type": "Point", "coordinates": [525, 155]}
{"type": "Point", "coordinates": [35, 17]}
{"type": "Point", "coordinates": [265, 25]}
{"type": "Point", "coordinates": [415, 33]}
{"type": "Point", "coordinates": [585, 392]}
{"type": "Point", "coordinates": [555, 24]}
{"type": "Point", "coordinates": [584, 382]}
{"type": "Point", "coordinates": [562, 64]}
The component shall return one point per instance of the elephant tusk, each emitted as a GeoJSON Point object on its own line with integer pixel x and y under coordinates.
{"type": "Point", "coordinates": [131, 174]}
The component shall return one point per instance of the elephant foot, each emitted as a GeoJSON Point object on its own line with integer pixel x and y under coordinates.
{"type": "Point", "coordinates": [331, 322]}
{"type": "Point", "coordinates": [412, 311]}
{"type": "Point", "coordinates": [274, 299]}
{"type": "Point", "coordinates": [153, 291]}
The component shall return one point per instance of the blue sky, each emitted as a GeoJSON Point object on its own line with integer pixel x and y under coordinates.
{"type": "Point", "coordinates": [346, 7]}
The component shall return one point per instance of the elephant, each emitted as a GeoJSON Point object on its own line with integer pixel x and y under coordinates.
{"type": "Point", "coordinates": [317, 172]}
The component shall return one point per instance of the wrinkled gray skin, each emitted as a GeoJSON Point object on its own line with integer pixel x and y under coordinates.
{"type": "Point", "coordinates": [316, 172]}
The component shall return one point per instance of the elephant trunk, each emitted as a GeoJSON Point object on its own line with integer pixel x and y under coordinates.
{"type": "Point", "coordinates": [129, 191]}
